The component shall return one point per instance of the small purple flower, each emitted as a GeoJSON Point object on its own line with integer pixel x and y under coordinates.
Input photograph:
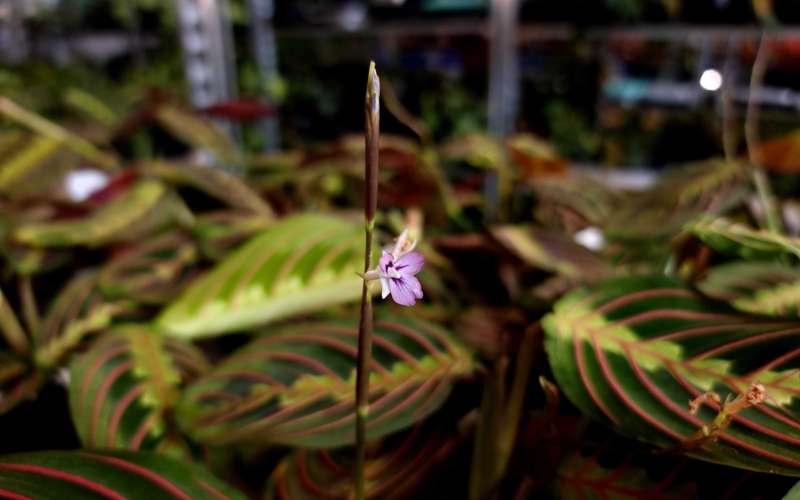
{"type": "Point", "coordinates": [396, 270]}
{"type": "Point", "coordinates": [397, 277]}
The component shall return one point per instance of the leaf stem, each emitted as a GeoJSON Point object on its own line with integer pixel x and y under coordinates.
{"type": "Point", "coordinates": [752, 137]}
{"type": "Point", "coordinates": [28, 303]}
{"type": "Point", "coordinates": [371, 135]}
{"type": "Point", "coordinates": [12, 330]}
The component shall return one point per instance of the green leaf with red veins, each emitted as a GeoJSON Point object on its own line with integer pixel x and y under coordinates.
{"type": "Point", "coordinates": [198, 132]}
{"type": "Point", "coordinates": [123, 389]}
{"type": "Point", "coordinates": [19, 381]}
{"type": "Point", "coordinates": [631, 352]}
{"type": "Point", "coordinates": [154, 272]}
{"type": "Point", "coordinates": [32, 164]}
{"type": "Point", "coordinates": [397, 470]}
{"type": "Point", "coordinates": [220, 232]}
{"type": "Point", "coordinates": [302, 264]}
{"type": "Point", "coordinates": [112, 475]}
{"type": "Point", "coordinates": [733, 238]}
{"type": "Point", "coordinates": [146, 208]}
{"type": "Point", "coordinates": [712, 186]}
{"type": "Point", "coordinates": [758, 287]}
{"type": "Point", "coordinates": [296, 385]}
{"type": "Point", "coordinates": [79, 310]}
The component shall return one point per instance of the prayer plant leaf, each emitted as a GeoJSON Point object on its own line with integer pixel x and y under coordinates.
{"type": "Point", "coordinates": [548, 251]}
{"type": "Point", "coordinates": [302, 264]}
{"type": "Point", "coordinates": [574, 201]}
{"type": "Point", "coordinates": [394, 472]}
{"type": "Point", "coordinates": [32, 163]}
{"type": "Point", "coordinates": [19, 381]}
{"type": "Point", "coordinates": [535, 156]}
{"type": "Point", "coordinates": [147, 207]}
{"type": "Point", "coordinates": [767, 288]}
{"type": "Point", "coordinates": [711, 186]}
{"type": "Point", "coordinates": [732, 238]}
{"type": "Point", "coordinates": [296, 385]}
{"type": "Point", "coordinates": [25, 259]}
{"type": "Point", "coordinates": [154, 272]}
{"type": "Point", "coordinates": [631, 352]}
{"type": "Point", "coordinates": [794, 493]}
{"type": "Point", "coordinates": [219, 232]}
{"type": "Point", "coordinates": [215, 182]}
{"type": "Point", "coordinates": [198, 132]}
{"type": "Point", "coordinates": [616, 469]}
{"type": "Point", "coordinates": [123, 389]}
{"type": "Point", "coordinates": [477, 149]}
{"type": "Point", "coordinates": [77, 311]}
{"type": "Point", "coordinates": [582, 476]}
{"type": "Point", "coordinates": [114, 475]}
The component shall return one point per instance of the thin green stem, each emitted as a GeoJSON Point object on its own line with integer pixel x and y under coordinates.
{"type": "Point", "coordinates": [753, 140]}
{"type": "Point", "coordinates": [371, 135]}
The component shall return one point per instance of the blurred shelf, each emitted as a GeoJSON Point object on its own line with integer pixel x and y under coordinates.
{"type": "Point", "coordinates": [686, 32]}
{"type": "Point", "coordinates": [439, 27]}
{"type": "Point", "coordinates": [458, 26]}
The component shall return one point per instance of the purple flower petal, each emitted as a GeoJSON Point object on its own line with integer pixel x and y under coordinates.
{"type": "Point", "coordinates": [410, 264]}
{"type": "Point", "coordinates": [405, 290]}
{"type": "Point", "coordinates": [386, 260]}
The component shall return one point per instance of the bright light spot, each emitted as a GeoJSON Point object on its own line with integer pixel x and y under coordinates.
{"type": "Point", "coordinates": [353, 16]}
{"type": "Point", "coordinates": [591, 238]}
{"type": "Point", "coordinates": [81, 184]}
{"type": "Point", "coordinates": [711, 80]}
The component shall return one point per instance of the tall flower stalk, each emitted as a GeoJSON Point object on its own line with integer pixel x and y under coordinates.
{"type": "Point", "coordinates": [372, 114]}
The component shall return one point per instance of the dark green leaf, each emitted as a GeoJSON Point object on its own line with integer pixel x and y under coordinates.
{"type": "Point", "coordinates": [613, 468]}
{"type": "Point", "coordinates": [582, 476]}
{"type": "Point", "coordinates": [90, 475]}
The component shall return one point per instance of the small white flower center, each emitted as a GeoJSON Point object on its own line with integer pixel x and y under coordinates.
{"type": "Point", "coordinates": [392, 272]}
